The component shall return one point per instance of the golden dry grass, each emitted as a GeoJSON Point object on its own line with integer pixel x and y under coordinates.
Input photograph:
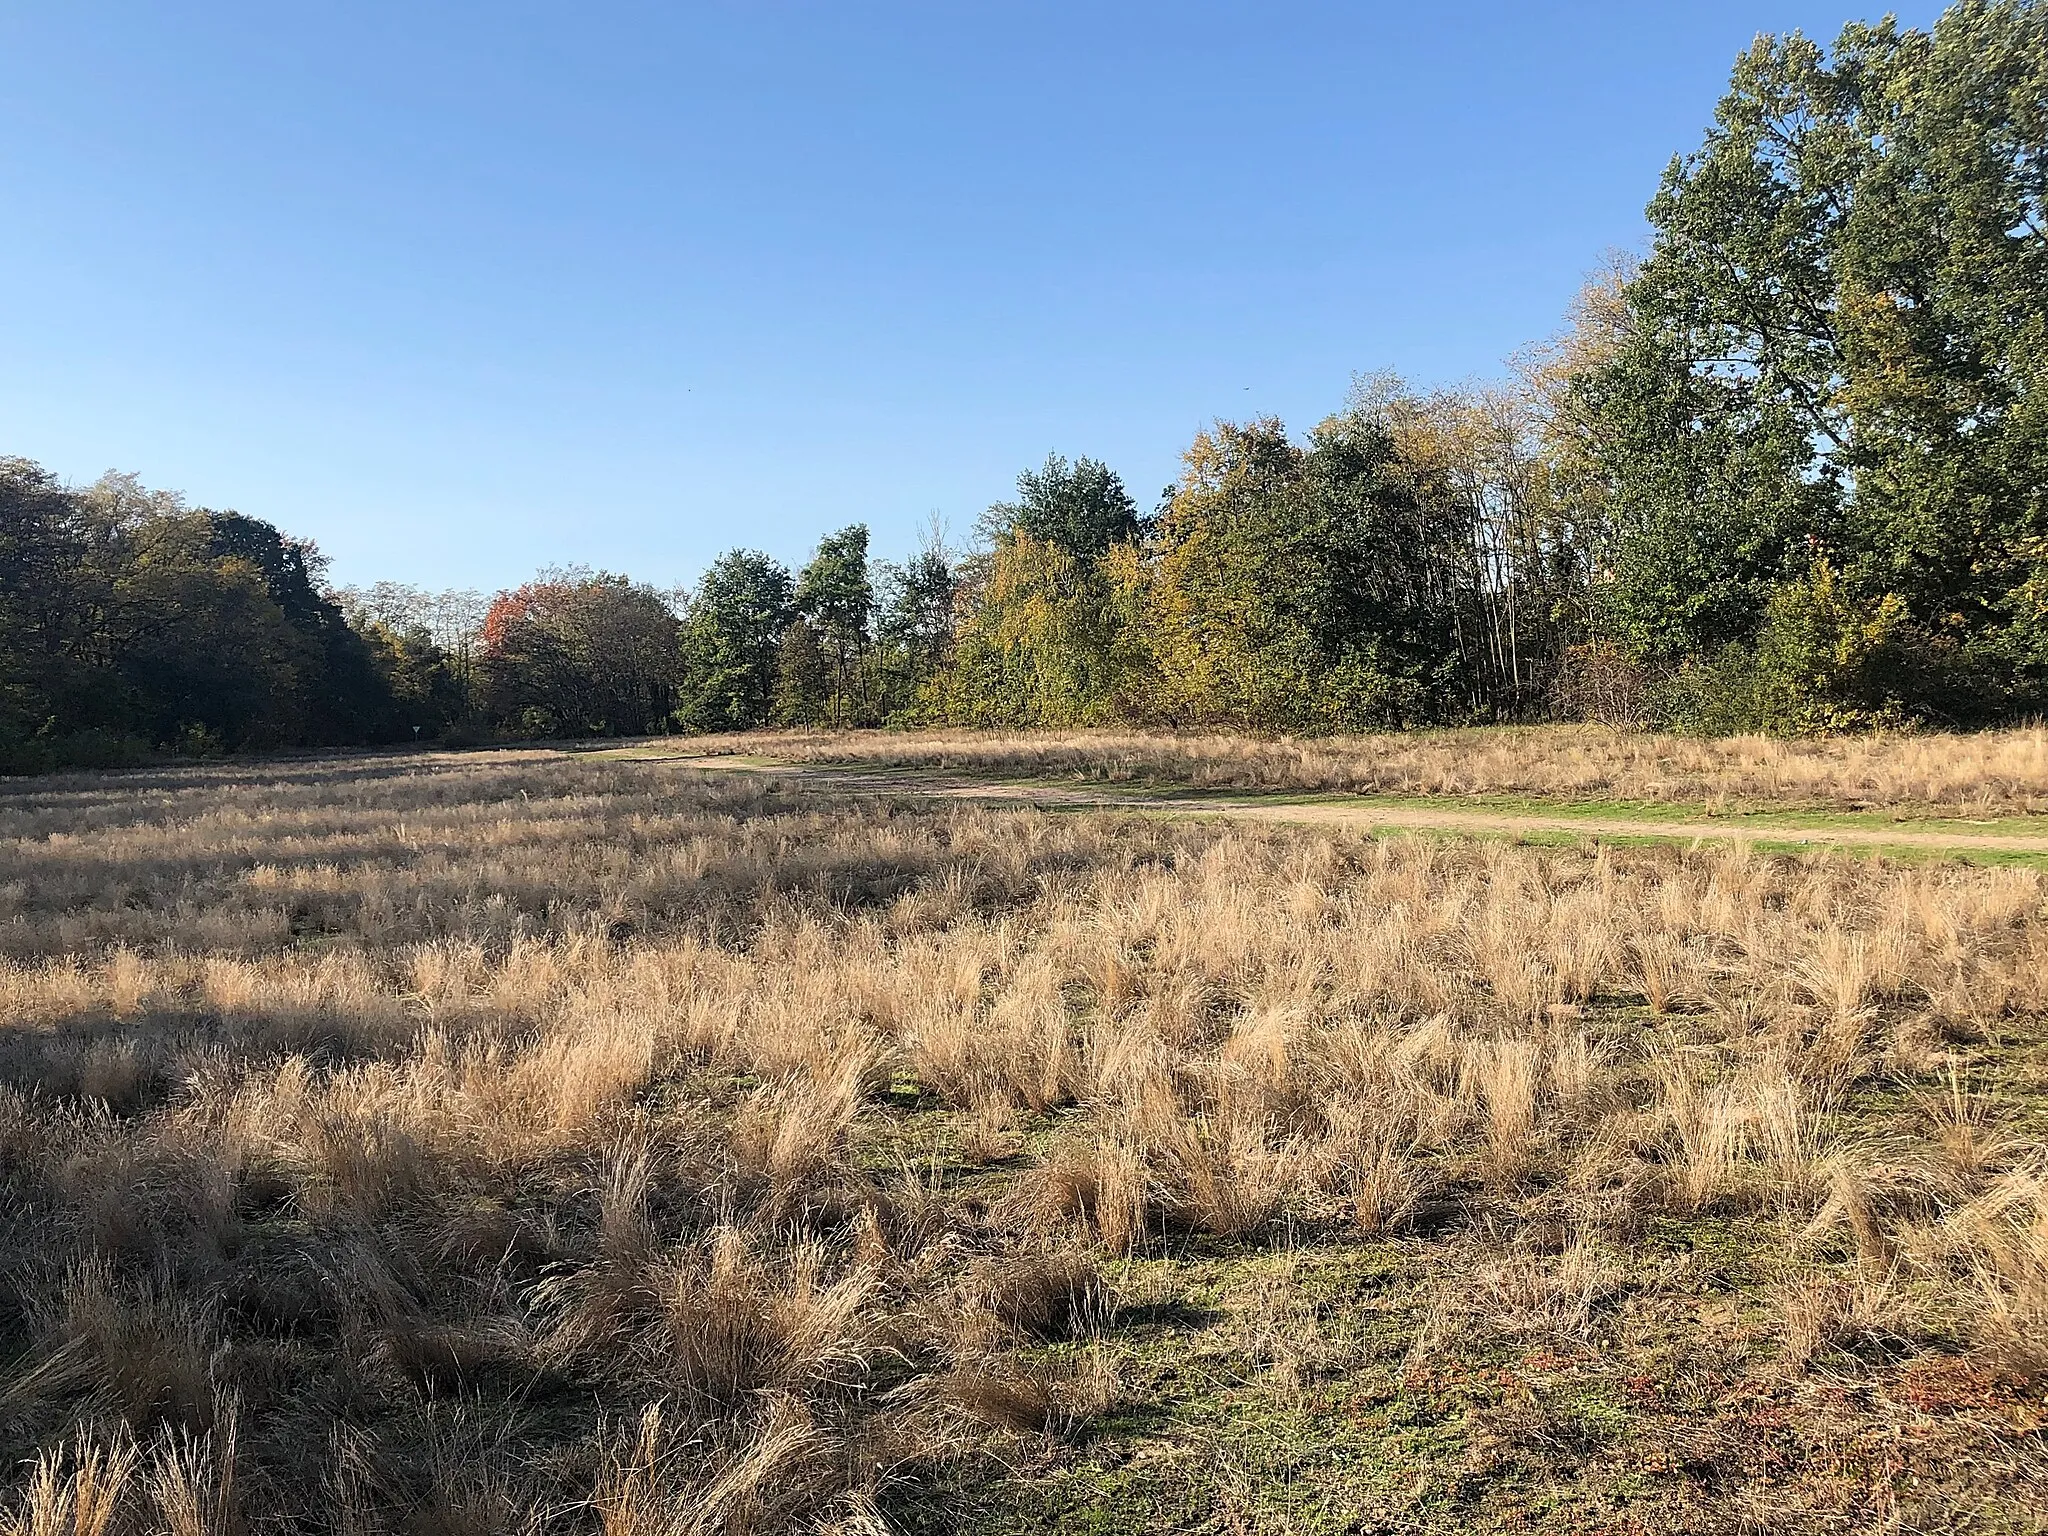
{"type": "Point", "coordinates": [1992, 773]}
{"type": "Point", "coordinates": [510, 1142]}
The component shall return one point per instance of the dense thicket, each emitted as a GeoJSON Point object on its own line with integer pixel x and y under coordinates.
{"type": "Point", "coordinates": [1787, 472]}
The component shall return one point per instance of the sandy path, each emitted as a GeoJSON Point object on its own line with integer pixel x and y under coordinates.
{"type": "Point", "coordinates": [1359, 814]}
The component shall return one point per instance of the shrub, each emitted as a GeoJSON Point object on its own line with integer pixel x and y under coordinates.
{"type": "Point", "coordinates": [1601, 684]}
{"type": "Point", "coordinates": [1825, 661]}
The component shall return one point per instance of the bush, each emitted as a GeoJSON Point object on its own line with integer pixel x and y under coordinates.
{"type": "Point", "coordinates": [1824, 661]}
{"type": "Point", "coordinates": [465, 732]}
{"type": "Point", "coordinates": [1600, 683]}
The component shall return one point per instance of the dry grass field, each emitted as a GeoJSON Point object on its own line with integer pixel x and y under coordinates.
{"type": "Point", "coordinates": [1986, 774]}
{"type": "Point", "coordinates": [520, 1143]}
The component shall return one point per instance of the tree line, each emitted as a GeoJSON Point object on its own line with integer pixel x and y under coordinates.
{"type": "Point", "coordinates": [1788, 471]}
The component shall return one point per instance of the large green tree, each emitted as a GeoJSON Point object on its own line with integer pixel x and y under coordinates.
{"type": "Point", "coordinates": [60, 560]}
{"type": "Point", "coordinates": [914, 624]}
{"type": "Point", "coordinates": [1050, 630]}
{"type": "Point", "coordinates": [340, 694]}
{"type": "Point", "coordinates": [835, 594]}
{"type": "Point", "coordinates": [1306, 587]}
{"type": "Point", "coordinates": [127, 616]}
{"type": "Point", "coordinates": [732, 625]}
{"type": "Point", "coordinates": [1838, 348]}
{"type": "Point", "coordinates": [1050, 638]}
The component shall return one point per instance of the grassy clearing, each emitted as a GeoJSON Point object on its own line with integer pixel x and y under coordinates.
{"type": "Point", "coordinates": [519, 1142]}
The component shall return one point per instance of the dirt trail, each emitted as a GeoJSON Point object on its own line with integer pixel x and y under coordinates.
{"type": "Point", "coordinates": [1360, 813]}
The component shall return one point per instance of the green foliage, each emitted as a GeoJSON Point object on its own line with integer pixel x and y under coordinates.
{"type": "Point", "coordinates": [1824, 661]}
{"type": "Point", "coordinates": [128, 620]}
{"type": "Point", "coordinates": [2009, 659]}
{"type": "Point", "coordinates": [846, 642]}
{"type": "Point", "coordinates": [1841, 336]}
{"type": "Point", "coordinates": [1361, 579]}
{"type": "Point", "coordinates": [803, 680]}
{"type": "Point", "coordinates": [427, 694]}
{"type": "Point", "coordinates": [1302, 588]}
{"type": "Point", "coordinates": [208, 648]}
{"type": "Point", "coordinates": [1399, 566]}
{"type": "Point", "coordinates": [1830, 652]}
{"type": "Point", "coordinates": [836, 597]}
{"type": "Point", "coordinates": [1081, 508]}
{"type": "Point", "coordinates": [835, 593]}
{"type": "Point", "coordinates": [913, 628]}
{"type": "Point", "coordinates": [1050, 620]}
{"type": "Point", "coordinates": [1048, 640]}
{"type": "Point", "coordinates": [732, 626]}
{"type": "Point", "coordinates": [52, 749]}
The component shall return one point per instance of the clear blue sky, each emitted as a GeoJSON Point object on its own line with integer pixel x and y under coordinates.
{"type": "Point", "coordinates": [461, 290]}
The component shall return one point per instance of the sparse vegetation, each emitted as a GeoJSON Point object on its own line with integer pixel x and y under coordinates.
{"type": "Point", "coordinates": [520, 1142]}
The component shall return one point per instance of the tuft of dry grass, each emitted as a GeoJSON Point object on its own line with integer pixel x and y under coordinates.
{"type": "Point", "coordinates": [74, 1492]}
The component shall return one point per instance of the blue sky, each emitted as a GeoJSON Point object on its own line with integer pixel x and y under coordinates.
{"type": "Point", "coordinates": [458, 291]}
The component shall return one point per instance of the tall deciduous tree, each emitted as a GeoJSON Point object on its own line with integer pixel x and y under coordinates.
{"type": "Point", "coordinates": [581, 653]}
{"type": "Point", "coordinates": [1839, 346]}
{"type": "Point", "coordinates": [914, 623]}
{"type": "Point", "coordinates": [1304, 587]}
{"type": "Point", "coordinates": [1050, 638]}
{"type": "Point", "coordinates": [836, 595]}
{"type": "Point", "coordinates": [126, 615]}
{"type": "Point", "coordinates": [803, 678]}
{"type": "Point", "coordinates": [732, 625]}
